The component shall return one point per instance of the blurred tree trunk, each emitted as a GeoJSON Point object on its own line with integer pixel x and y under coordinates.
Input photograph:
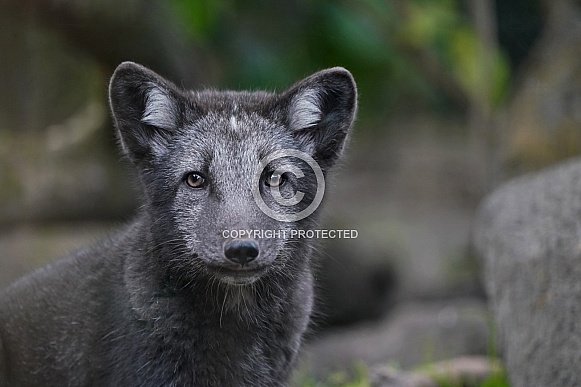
{"type": "Point", "coordinates": [110, 31]}
{"type": "Point", "coordinates": [544, 119]}
{"type": "Point", "coordinates": [481, 119]}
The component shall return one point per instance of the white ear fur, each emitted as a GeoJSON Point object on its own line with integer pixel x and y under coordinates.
{"type": "Point", "coordinates": [305, 110]}
{"type": "Point", "coordinates": [160, 109]}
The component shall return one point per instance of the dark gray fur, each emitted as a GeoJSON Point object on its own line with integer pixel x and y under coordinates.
{"type": "Point", "coordinates": [150, 306]}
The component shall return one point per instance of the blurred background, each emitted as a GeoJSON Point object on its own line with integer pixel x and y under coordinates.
{"type": "Point", "coordinates": [456, 96]}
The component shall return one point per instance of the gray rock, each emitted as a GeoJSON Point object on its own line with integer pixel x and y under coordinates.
{"type": "Point", "coordinates": [461, 371]}
{"type": "Point", "coordinates": [413, 334]}
{"type": "Point", "coordinates": [387, 376]}
{"type": "Point", "coordinates": [529, 235]}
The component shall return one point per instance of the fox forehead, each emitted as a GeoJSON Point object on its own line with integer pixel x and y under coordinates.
{"type": "Point", "coordinates": [235, 115]}
{"type": "Point", "coordinates": [238, 139]}
{"type": "Point", "coordinates": [227, 102]}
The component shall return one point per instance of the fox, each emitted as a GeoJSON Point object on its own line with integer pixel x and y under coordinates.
{"type": "Point", "coordinates": [171, 299]}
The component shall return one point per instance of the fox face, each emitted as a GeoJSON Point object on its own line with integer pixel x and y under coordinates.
{"type": "Point", "coordinates": [209, 162]}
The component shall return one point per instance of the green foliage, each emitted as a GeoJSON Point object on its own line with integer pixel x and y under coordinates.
{"type": "Point", "coordinates": [477, 70]}
{"type": "Point", "coordinates": [200, 17]}
{"type": "Point", "coordinates": [498, 379]}
{"type": "Point", "coordinates": [429, 23]}
{"type": "Point", "coordinates": [360, 379]}
{"type": "Point", "coordinates": [262, 44]}
{"type": "Point", "coordinates": [440, 28]}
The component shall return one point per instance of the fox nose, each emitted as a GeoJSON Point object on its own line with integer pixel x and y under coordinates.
{"type": "Point", "coordinates": [241, 251]}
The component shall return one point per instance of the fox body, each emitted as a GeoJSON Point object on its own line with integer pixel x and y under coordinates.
{"type": "Point", "coordinates": [168, 300]}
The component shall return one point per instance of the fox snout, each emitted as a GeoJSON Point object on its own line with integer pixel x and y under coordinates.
{"type": "Point", "coordinates": [239, 264]}
{"type": "Point", "coordinates": [241, 251]}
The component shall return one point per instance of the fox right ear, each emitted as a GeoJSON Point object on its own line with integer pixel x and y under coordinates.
{"type": "Point", "coordinates": [320, 113]}
{"type": "Point", "coordinates": [146, 109]}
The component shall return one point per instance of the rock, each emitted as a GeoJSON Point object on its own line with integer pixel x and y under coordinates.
{"type": "Point", "coordinates": [528, 233]}
{"type": "Point", "coordinates": [462, 371]}
{"type": "Point", "coordinates": [386, 376]}
{"type": "Point", "coordinates": [413, 334]}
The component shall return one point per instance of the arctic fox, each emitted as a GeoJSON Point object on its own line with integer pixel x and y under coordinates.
{"type": "Point", "coordinates": [172, 299]}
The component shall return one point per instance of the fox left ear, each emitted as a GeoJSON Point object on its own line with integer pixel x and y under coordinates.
{"type": "Point", "coordinates": [321, 111]}
{"type": "Point", "coordinates": [146, 108]}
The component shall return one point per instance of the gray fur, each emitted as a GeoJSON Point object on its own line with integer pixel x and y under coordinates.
{"type": "Point", "coordinates": [158, 303]}
{"type": "Point", "coordinates": [160, 110]}
{"type": "Point", "coordinates": [305, 109]}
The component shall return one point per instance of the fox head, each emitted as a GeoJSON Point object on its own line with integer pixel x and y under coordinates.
{"type": "Point", "coordinates": [209, 162]}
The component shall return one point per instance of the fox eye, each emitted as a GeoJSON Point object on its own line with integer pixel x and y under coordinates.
{"type": "Point", "coordinates": [195, 180]}
{"type": "Point", "coordinates": [275, 179]}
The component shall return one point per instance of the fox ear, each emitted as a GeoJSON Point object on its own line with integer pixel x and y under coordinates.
{"type": "Point", "coordinates": [321, 111]}
{"type": "Point", "coordinates": [146, 109]}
